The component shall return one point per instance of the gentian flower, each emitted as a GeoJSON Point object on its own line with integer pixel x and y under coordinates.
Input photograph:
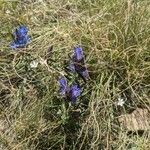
{"type": "Point", "coordinates": [21, 32]}
{"type": "Point", "coordinates": [21, 39]}
{"type": "Point", "coordinates": [78, 53]}
{"type": "Point", "coordinates": [77, 64]}
{"type": "Point", "coordinates": [74, 92]}
{"type": "Point", "coordinates": [63, 86]}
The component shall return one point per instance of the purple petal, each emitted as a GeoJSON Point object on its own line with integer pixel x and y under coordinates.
{"type": "Point", "coordinates": [78, 53]}
{"type": "Point", "coordinates": [21, 43]}
{"type": "Point", "coordinates": [13, 45]}
{"type": "Point", "coordinates": [63, 86]}
{"type": "Point", "coordinates": [21, 31]}
{"type": "Point", "coordinates": [21, 39]}
{"type": "Point", "coordinates": [74, 92]}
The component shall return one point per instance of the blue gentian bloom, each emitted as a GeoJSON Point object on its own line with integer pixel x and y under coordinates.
{"type": "Point", "coordinates": [78, 53]}
{"type": "Point", "coordinates": [77, 64]}
{"type": "Point", "coordinates": [20, 43]}
{"type": "Point", "coordinates": [21, 39]}
{"type": "Point", "coordinates": [63, 86]}
{"type": "Point", "coordinates": [74, 92]}
{"type": "Point", "coordinates": [21, 31]}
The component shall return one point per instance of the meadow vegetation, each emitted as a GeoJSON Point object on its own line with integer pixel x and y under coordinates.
{"type": "Point", "coordinates": [115, 37]}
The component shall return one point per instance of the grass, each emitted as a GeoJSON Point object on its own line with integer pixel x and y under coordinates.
{"type": "Point", "coordinates": [115, 37]}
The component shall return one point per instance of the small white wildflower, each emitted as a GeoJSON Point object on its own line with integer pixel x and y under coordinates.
{"type": "Point", "coordinates": [43, 61]}
{"type": "Point", "coordinates": [34, 64]}
{"type": "Point", "coordinates": [120, 101]}
{"type": "Point", "coordinates": [7, 12]}
{"type": "Point", "coordinates": [59, 112]}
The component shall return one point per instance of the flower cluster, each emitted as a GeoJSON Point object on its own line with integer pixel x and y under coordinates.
{"type": "Point", "coordinates": [76, 65]}
{"type": "Point", "coordinates": [71, 92]}
{"type": "Point", "coordinates": [21, 39]}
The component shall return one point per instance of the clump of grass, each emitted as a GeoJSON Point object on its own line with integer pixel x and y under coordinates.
{"type": "Point", "coordinates": [115, 39]}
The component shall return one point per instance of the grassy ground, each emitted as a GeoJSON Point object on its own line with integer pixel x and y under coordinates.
{"type": "Point", "coordinates": [115, 37]}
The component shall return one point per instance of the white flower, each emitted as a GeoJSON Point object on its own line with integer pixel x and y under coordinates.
{"type": "Point", "coordinates": [34, 64]}
{"type": "Point", "coordinates": [7, 12]}
{"type": "Point", "coordinates": [59, 112]}
{"type": "Point", "coordinates": [120, 101]}
{"type": "Point", "coordinates": [43, 61]}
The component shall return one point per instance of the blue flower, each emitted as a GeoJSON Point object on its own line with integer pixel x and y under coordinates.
{"type": "Point", "coordinates": [78, 53]}
{"type": "Point", "coordinates": [74, 92]}
{"type": "Point", "coordinates": [77, 64]}
{"type": "Point", "coordinates": [21, 39]}
{"type": "Point", "coordinates": [63, 86]}
{"type": "Point", "coordinates": [21, 31]}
